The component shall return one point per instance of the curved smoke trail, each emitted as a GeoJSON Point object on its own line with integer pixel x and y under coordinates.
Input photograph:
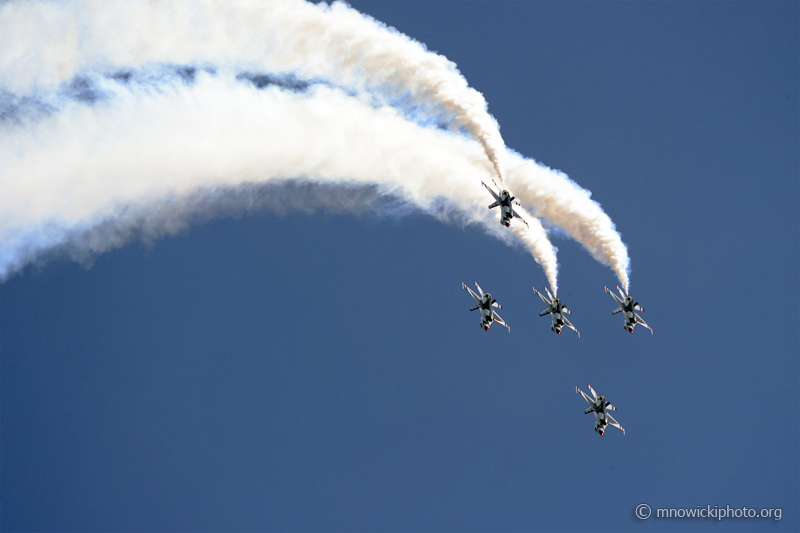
{"type": "Point", "coordinates": [562, 202]}
{"type": "Point", "coordinates": [334, 45]}
{"type": "Point", "coordinates": [139, 147]}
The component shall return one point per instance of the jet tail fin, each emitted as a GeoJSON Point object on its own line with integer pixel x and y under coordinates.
{"type": "Point", "coordinates": [622, 292]}
{"type": "Point", "coordinates": [616, 298]}
{"type": "Point", "coordinates": [540, 295]}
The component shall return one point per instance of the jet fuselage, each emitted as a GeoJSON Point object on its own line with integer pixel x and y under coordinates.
{"type": "Point", "coordinates": [505, 208]}
{"type": "Point", "coordinates": [628, 308]}
{"type": "Point", "coordinates": [486, 310]}
{"type": "Point", "coordinates": [599, 408]}
{"type": "Point", "coordinates": [558, 316]}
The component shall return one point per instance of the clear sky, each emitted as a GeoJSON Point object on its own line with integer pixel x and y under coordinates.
{"type": "Point", "coordinates": [322, 372]}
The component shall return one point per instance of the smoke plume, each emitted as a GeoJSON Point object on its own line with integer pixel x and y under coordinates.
{"type": "Point", "coordinates": [334, 43]}
{"type": "Point", "coordinates": [138, 148]}
{"type": "Point", "coordinates": [94, 126]}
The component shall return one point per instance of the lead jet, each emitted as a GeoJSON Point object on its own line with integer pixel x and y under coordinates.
{"type": "Point", "coordinates": [504, 200]}
{"type": "Point", "coordinates": [485, 303]}
{"type": "Point", "coordinates": [556, 309]}
{"type": "Point", "coordinates": [629, 307]}
{"type": "Point", "coordinates": [600, 407]}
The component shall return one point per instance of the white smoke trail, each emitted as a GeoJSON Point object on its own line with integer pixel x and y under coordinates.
{"type": "Point", "coordinates": [335, 43]}
{"type": "Point", "coordinates": [123, 156]}
{"type": "Point", "coordinates": [562, 202]}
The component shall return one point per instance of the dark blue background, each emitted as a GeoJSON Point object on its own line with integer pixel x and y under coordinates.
{"type": "Point", "coordinates": [323, 372]}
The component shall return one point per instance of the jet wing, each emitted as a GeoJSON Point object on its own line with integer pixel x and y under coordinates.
{"type": "Point", "coordinates": [499, 320]}
{"type": "Point", "coordinates": [612, 422]}
{"type": "Point", "coordinates": [516, 215]}
{"type": "Point", "coordinates": [570, 326]}
{"type": "Point", "coordinates": [585, 396]}
{"type": "Point", "coordinates": [474, 296]}
{"type": "Point", "coordinates": [642, 322]}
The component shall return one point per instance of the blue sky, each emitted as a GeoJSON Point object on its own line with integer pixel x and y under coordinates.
{"type": "Point", "coordinates": [322, 372]}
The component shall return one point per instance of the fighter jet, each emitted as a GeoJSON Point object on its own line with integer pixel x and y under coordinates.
{"type": "Point", "coordinates": [556, 309]}
{"type": "Point", "coordinates": [504, 200]}
{"type": "Point", "coordinates": [600, 407]}
{"type": "Point", "coordinates": [629, 307]}
{"type": "Point", "coordinates": [485, 303]}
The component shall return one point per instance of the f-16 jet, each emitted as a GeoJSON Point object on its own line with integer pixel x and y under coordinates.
{"type": "Point", "coordinates": [556, 309]}
{"type": "Point", "coordinates": [600, 407]}
{"type": "Point", "coordinates": [629, 307]}
{"type": "Point", "coordinates": [485, 303]}
{"type": "Point", "coordinates": [505, 200]}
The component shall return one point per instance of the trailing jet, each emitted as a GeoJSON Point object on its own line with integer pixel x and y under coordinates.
{"type": "Point", "coordinates": [556, 309]}
{"type": "Point", "coordinates": [600, 408]}
{"type": "Point", "coordinates": [485, 303]}
{"type": "Point", "coordinates": [504, 200]}
{"type": "Point", "coordinates": [629, 307]}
